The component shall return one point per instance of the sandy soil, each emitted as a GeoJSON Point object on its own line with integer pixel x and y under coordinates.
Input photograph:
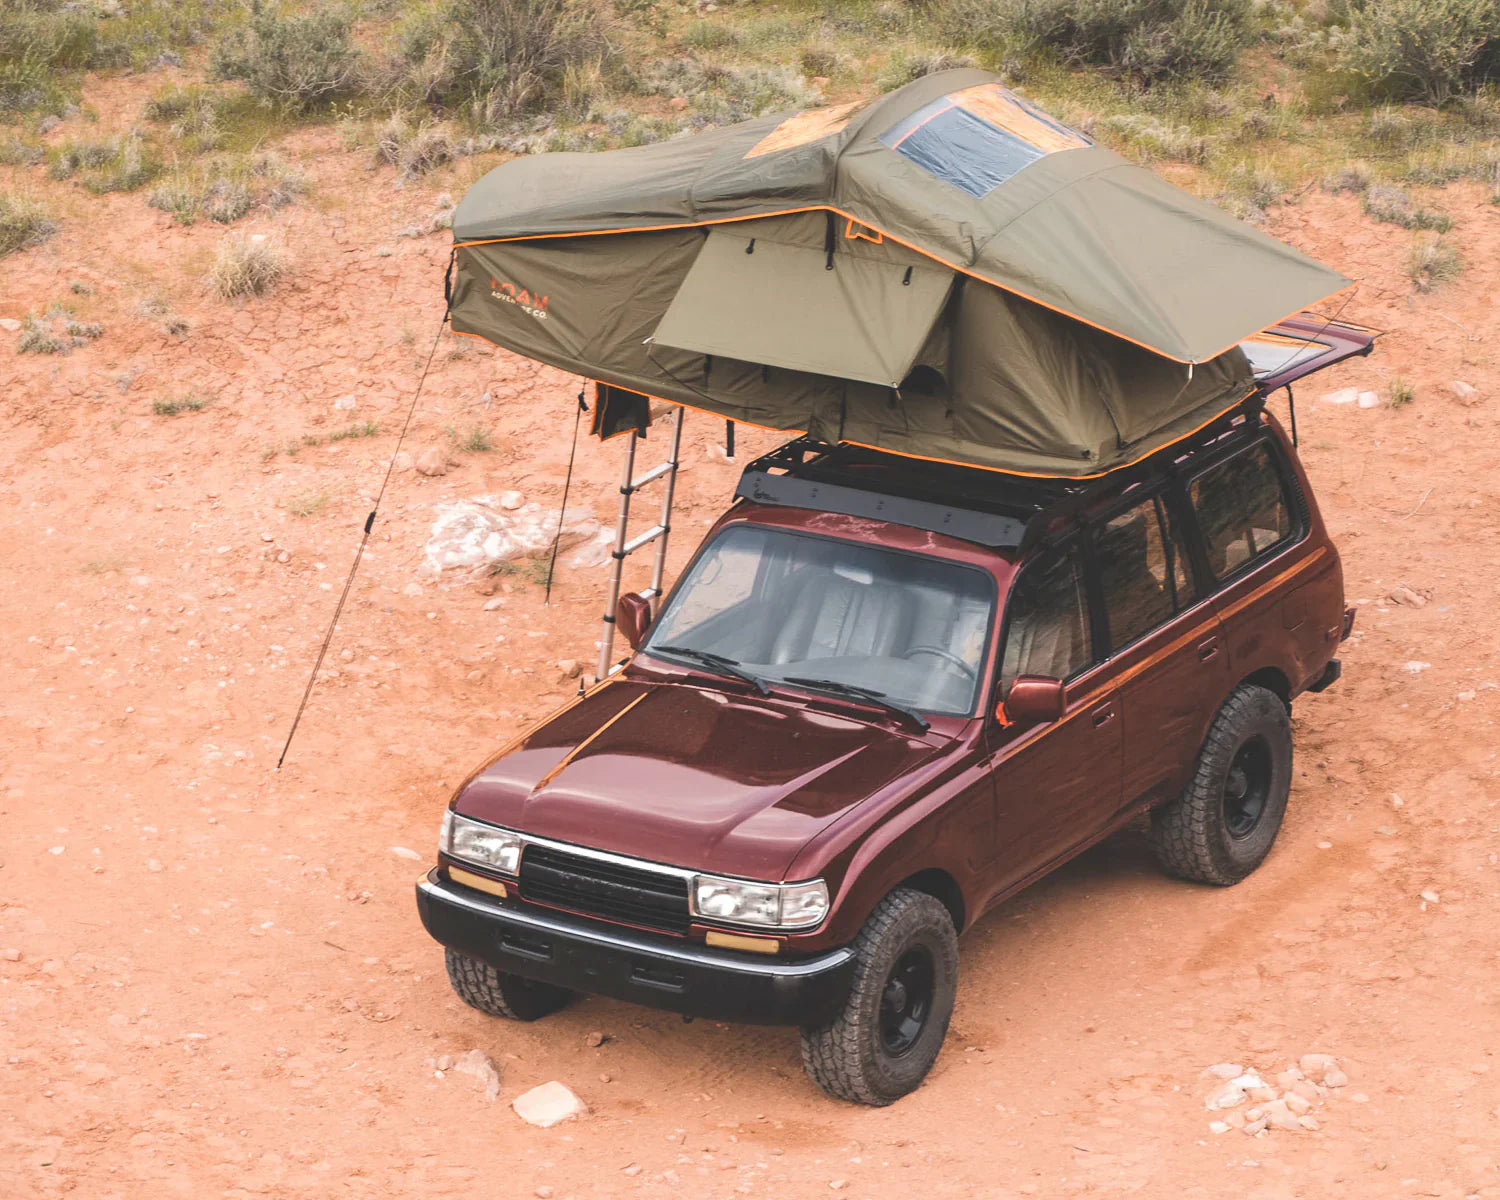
{"type": "Point", "coordinates": [212, 978]}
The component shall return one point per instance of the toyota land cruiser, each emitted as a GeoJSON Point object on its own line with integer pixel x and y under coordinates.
{"type": "Point", "coordinates": [884, 696]}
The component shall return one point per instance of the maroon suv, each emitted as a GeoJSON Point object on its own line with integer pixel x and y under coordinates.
{"type": "Point", "coordinates": [884, 696]}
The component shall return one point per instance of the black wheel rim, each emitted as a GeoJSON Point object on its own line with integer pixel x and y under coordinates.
{"type": "Point", "coordinates": [1247, 787]}
{"type": "Point", "coordinates": [906, 1001]}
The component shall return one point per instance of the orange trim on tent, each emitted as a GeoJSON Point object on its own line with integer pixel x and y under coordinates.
{"type": "Point", "coordinates": [857, 231]}
{"type": "Point", "coordinates": [788, 212]}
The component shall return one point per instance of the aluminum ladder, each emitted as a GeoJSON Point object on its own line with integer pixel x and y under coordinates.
{"type": "Point", "coordinates": [625, 545]}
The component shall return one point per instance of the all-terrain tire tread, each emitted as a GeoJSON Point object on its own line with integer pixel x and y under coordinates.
{"type": "Point", "coordinates": [1184, 831]}
{"type": "Point", "coordinates": [832, 1053]}
{"type": "Point", "coordinates": [493, 992]}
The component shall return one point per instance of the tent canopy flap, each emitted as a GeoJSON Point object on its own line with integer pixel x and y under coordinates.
{"type": "Point", "coordinates": [805, 309]}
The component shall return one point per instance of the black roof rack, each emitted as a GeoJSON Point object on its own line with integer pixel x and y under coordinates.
{"type": "Point", "coordinates": [990, 508]}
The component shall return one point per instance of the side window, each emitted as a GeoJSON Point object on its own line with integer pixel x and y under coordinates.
{"type": "Point", "coordinates": [1047, 630]}
{"type": "Point", "coordinates": [1143, 570]}
{"type": "Point", "coordinates": [1135, 572]}
{"type": "Point", "coordinates": [1242, 509]}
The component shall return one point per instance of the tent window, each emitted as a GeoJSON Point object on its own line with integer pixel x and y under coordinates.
{"type": "Point", "coordinates": [978, 138]}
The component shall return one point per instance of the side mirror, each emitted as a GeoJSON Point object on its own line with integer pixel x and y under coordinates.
{"type": "Point", "coordinates": [633, 618]}
{"type": "Point", "coordinates": [1034, 700]}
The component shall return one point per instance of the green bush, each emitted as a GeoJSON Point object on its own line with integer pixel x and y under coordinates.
{"type": "Point", "coordinates": [290, 61]}
{"type": "Point", "coordinates": [1420, 49]}
{"type": "Point", "coordinates": [23, 224]}
{"type": "Point", "coordinates": [499, 59]}
{"type": "Point", "coordinates": [1145, 39]}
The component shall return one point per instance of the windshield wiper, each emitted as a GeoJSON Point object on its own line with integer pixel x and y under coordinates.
{"type": "Point", "coordinates": [861, 693]}
{"type": "Point", "coordinates": [725, 664]}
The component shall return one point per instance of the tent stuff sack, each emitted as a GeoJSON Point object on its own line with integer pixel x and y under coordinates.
{"type": "Point", "coordinates": [945, 272]}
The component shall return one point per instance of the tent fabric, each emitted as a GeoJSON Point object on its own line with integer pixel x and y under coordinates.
{"type": "Point", "coordinates": [946, 272]}
{"type": "Point", "coordinates": [780, 304]}
{"type": "Point", "coordinates": [1077, 228]}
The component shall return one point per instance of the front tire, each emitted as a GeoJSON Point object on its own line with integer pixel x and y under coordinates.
{"type": "Point", "coordinates": [883, 1043]}
{"type": "Point", "coordinates": [500, 994]}
{"type": "Point", "coordinates": [1223, 825]}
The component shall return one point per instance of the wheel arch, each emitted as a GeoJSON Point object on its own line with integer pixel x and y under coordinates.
{"type": "Point", "coordinates": [1274, 680]}
{"type": "Point", "coordinates": [941, 886]}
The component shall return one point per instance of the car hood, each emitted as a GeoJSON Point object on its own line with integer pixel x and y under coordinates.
{"type": "Point", "coordinates": [689, 775]}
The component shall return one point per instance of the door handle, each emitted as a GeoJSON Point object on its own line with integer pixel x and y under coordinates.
{"type": "Point", "coordinates": [1104, 714]}
{"type": "Point", "coordinates": [1207, 648]}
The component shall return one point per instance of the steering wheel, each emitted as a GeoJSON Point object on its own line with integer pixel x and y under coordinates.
{"type": "Point", "coordinates": [946, 655]}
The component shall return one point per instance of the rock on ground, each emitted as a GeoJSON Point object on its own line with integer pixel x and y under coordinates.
{"type": "Point", "coordinates": [480, 1065]}
{"type": "Point", "coordinates": [548, 1104]}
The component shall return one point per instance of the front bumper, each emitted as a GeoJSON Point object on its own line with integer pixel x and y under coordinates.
{"type": "Point", "coordinates": [684, 977]}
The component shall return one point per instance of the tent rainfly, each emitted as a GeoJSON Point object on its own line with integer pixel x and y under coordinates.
{"type": "Point", "coordinates": [945, 272]}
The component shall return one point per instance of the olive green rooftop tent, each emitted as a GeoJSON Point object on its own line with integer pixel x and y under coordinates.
{"type": "Point", "coordinates": [945, 272]}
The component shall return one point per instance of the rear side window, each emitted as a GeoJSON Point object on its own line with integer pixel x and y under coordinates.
{"type": "Point", "coordinates": [1047, 620]}
{"type": "Point", "coordinates": [1142, 571]}
{"type": "Point", "coordinates": [1243, 510]}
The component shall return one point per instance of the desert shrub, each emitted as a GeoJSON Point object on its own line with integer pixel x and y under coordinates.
{"type": "Point", "coordinates": [112, 164]}
{"type": "Point", "coordinates": [15, 152]}
{"type": "Point", "coordinates": [1353, 177]}
{"type": "Point", "coordinates": [819, 60]}
{"type": "Point", "coordinates": [1394, 207]}
{"type": "Point", "coordinates": [246, 266]}
{"type": "Point", "coordinates": [1146, 39]}
{"type": "Point", "coordinates": [498, 59]}
{"type": "Point", "coordinates": [1158, 139]}
{"type": "Point", "coordinates": [413, 150]}
{"type": "Point", "coordinates": [55, 332]}
{"type": "Point", "coordinates": [709, 35]}
{"type": "Point", "coordinates": [906, 65]}
{"type": "Point", "coordinates": [1432, 261]}
{"type": "Point", "coordinates": [1419, 49]}
{"type": "Point", "coordinates": [192, 402]}
{"type": "Point", "coordinates": [293, 60]}
{"type": "Point", "coordinates": [23, 223]}
{"type": "Point", "coordinates": [227, 188]}
{"type": "Point", "coordinates": [1402, 392]}
{"type": "Point", "coordinates": [725, 94]}
{"type": "Point", "coordinates": [191, 114]}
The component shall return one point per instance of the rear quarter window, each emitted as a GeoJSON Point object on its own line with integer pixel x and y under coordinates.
{"type": "Point", "coordinates": [1244, 510]}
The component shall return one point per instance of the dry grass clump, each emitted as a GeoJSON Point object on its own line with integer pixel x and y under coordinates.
{"type": "Point", "coordinates": [23, 223]}
{"type": "Point", "coordinates": [413, 150]}
{"type": "Point", "coordinates": [226, 189]}
{"type": "Point", "coordinates": [246, 266]}
{"type": "Point", "coordinates": [1394, 207]}
{"type": "Point", "coordinates": [1158, 139]}
{"type": "Point", "coordinates": [192, 402]}
{"type": "Point", "coordinates": [1431, 262]}
{"type": "Point", "coordinates": [112, 164]}
{"type": "Point", "coordinates": [55, 332]}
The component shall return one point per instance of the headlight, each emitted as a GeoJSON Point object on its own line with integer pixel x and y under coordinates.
{"type": "Point", "coordinates": [772, 905]}
{"type": "Point", "coordinates": [481, 844]}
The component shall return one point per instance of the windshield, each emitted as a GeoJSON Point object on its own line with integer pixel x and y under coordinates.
{"type": "Point", "coordinates": [785, 606]}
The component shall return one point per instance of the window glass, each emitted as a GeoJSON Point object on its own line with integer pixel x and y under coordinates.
{"type": "Point", "coordinates": [1135, 572]}
{"type": "Point", "coordinates": [1048, 624]}
{"type": "Point", "coordinates": [785, 606]}
{"type": "Point", "coordinates": [1184, 588]}
{"type": "Point", "coordinates": [1242, 509]}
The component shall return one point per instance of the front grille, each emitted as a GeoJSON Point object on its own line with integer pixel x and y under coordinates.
{"type": "Point", "coordinates": [604, 889]}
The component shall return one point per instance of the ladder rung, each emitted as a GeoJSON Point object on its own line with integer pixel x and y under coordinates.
{"type": "Point", "coordinates": [640, 540]}
{"type": "Point", "coordinates": [652, 474]}
{"type": "Point", "coordinates": [649, 593]}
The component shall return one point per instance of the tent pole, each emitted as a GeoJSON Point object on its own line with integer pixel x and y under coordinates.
{"type": "Point", "coordinates": [607, 641]}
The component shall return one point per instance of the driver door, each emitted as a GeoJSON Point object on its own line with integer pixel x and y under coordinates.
{"type": "Point", "coordinates": [1057, 783]}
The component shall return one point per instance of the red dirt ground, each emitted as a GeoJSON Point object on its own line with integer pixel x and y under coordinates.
{"type": "Point", "coordinates": [219, 986]}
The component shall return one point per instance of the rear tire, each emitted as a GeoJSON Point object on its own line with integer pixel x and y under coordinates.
{"type": "Point", "coordinates": [883, 1043]}
{"type": "Point", "coordinates": [500, 994]}
{"type": "Point", "coordinates": [1223, 825]}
